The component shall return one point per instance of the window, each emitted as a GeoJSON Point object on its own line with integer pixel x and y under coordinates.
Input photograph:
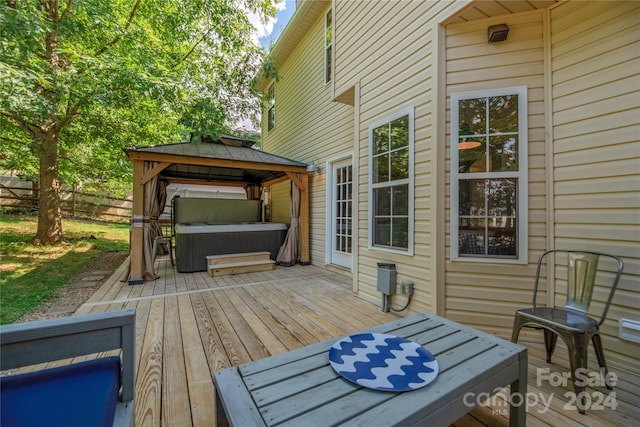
{"type": "Point", "coordinates": [391, 177]}
{"type": "Point", "coordinates": [489, 174]}
{"type": "Point", "coordinates": [271, 105]}
{"type": "Point", "coordinates": [328, 43]}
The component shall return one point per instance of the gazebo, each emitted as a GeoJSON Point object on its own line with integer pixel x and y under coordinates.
{"type": "Point", "coordinates": [227, 161]}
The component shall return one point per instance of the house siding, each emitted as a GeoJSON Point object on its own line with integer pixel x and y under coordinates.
{"type": "Point", "coordinates": [579, 62]}
{"type": "Point", "coordinates": [309, 128]}
{"type": "Point", "coordinates": [596, 130]}
{"type": "Point", "coordinates": [486, 293]}
{"type": "Point", "coordinates": [594, 178]}
{"type": "Point", "coordinates": [387, 51]}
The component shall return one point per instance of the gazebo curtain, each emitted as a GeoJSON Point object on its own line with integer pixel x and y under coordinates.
{"type": "Point", "coordinates": [288, 253]}
{"type": "Point", "coordinates": [162, 201]}
{"type": "Point", "coordinates": [151, 226]}
{"type": "Point", "coordinates": [155, 197]}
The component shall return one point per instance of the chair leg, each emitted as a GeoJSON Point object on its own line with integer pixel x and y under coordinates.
{"type": "Point", "coordinates": [577, 346]}
{"type": "Point", "coordinates": [170, 252]}
{"type": "Point", "coordinates": [550, 339]}
{"type": "Point", "coordinates": [597, 345]}
{"type": "Point", "coordinates": [517, 325]}
{"type": "Point", "coordinates": [154, 250]}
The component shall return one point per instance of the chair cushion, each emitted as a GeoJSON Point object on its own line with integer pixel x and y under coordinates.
{"type": "Point", "coordinates": [81, 394]}
{"type": "Point", "coordinates": [557, 317]}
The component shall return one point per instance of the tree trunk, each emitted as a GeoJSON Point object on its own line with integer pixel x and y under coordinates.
{"type": "Point", "coordinates": [49, 212]}
{"type": "Point", "coordinates": [46, 140]}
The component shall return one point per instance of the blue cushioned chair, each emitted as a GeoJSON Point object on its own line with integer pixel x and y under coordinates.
{"type": "Point", "coordinates": [94, 392]}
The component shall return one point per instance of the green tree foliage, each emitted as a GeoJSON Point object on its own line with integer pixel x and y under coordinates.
{"type": "Point", "coordinates": [80, 80]}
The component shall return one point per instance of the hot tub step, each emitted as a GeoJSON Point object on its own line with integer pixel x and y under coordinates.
{"type": "Point", "coordinates": [240, 257]}
{"type": "Point", "coordinates": [240, 267]}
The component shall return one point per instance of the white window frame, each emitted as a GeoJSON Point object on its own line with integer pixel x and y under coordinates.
{"type": "Point", "coordinates": [328, 47]}
{"type": "Point", "coordinates": [410, 181]}
{"type": "Point", "coordinates": [521, 175]}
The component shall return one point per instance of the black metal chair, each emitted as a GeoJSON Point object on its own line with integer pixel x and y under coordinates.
{"type": "Point", "coordinates": [572, 322]}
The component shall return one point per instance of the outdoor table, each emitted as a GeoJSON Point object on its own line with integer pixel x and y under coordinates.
{"type": "Point", "coordinates": [300, 388]}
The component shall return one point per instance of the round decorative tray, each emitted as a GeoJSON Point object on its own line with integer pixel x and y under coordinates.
{"type": "Point", "coordinates": [383, 362]}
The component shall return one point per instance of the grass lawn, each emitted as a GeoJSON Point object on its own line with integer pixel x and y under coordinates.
{"type": "Point", "coordinates": [30, 274]}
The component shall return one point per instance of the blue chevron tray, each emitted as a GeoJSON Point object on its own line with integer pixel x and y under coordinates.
{"type": "Point", "coordinates": [383, 362]}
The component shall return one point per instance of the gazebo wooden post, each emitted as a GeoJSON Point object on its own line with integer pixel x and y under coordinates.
{"type": "Point", "coordinates": [303, 221]}
{"type": "Point", "coordinates": [137, 232]}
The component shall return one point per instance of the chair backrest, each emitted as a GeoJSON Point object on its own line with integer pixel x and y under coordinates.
{"type": "Point", "coordinates": [41, 341]}
{"type": "Point", "coordinates": [581, 277]}
{"type": "Point", "coordinates": [582, 269]}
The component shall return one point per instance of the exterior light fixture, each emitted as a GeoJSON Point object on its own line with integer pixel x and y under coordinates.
{"type": "Point", "coordinates": [498, 33]}
{"type": "Point", "coordinates": [314, 167]}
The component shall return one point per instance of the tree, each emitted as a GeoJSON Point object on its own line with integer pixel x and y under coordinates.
{"type": "Point", "coordinates": [80, 80]}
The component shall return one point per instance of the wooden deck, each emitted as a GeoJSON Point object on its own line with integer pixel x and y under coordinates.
{"type": "Point", "coordinates": [192, 325]}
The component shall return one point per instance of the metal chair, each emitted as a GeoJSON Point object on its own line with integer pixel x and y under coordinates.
{"type": "Point", "coordinates": [162, 240]}
{"type": "Point", "coordinates": [571, 322]}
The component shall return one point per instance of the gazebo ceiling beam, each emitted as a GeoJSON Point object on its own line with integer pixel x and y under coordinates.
{"type": "Point", "coordinates": [155, 170]}
{"type": "Point", "coordinates": [202, 182]}
{"type": "Point", "coordinates": [276, 180]}
{"type": "Point", "coordinates": [296, 181]}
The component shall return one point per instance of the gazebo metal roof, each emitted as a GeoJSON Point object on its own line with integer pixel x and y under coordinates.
{"type": "Point", "coordinates": [226, 160]}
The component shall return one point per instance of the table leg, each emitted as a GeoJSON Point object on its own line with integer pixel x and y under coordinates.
{"type": "Point", "coordinates": [221, 416]}
{"type": "Point", "coordinates": [234, 404]}
{"type": "Point", "coordinates": [518, 408]}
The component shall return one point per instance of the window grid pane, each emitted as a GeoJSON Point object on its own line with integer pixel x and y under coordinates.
{"type": "Point", "coordinates": [487, 221]}
{"type": "Point", "coordinates": [391, 172]}
{"type": "Point", "coordinates": [488, 134]}
{"type": "Point", "coordinates": [391, 216]}
{"type": "Point", "coordinates": [343, 209]}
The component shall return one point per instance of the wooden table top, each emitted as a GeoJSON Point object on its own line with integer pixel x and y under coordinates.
{"type": "Point", "coordinates": [300, 387]}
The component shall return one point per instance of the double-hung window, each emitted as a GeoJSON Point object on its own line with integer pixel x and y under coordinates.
{"type": "Point", "coordinates": [489, 174]}
{"type": "Point", "coordinates": [391, 178]}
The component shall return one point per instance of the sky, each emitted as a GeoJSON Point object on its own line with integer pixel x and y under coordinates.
{"type": "Point", "coordinates": [265, 33]}
{"type": "Point", "coordinates": [270, 31]}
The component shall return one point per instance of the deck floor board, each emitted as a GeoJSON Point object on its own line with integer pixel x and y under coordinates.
{"type": "Point", "coordinates": [189, 326]}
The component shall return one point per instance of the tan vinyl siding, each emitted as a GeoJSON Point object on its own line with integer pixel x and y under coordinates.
{"type": "Point", "coordinates": [374, 37]}
{"type": "Point", "coordinates": [579, 62]}
{"type": "Point", "coordinates": [595, 75]}
{"type": "Point", "coordinates": [486, 294]}
{"type": "Point", "coordinates": [309, 126]}
{"type": "Point", "coordinates": [387, 48]}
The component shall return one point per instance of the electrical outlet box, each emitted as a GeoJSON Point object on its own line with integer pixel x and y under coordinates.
{"type": "Point", "coordinates": [629, 330]}
{"type": "Point", "coordinates": [407, 287]}
{"type": "Point", "coordinates": [387, 278]}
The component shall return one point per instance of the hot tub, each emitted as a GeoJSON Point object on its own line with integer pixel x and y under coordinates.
{"type": "Point", "coordinates": [194, 242]}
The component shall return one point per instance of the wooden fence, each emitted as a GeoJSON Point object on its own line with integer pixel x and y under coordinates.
{"type": "Point", "coordinates": [17, 194]}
